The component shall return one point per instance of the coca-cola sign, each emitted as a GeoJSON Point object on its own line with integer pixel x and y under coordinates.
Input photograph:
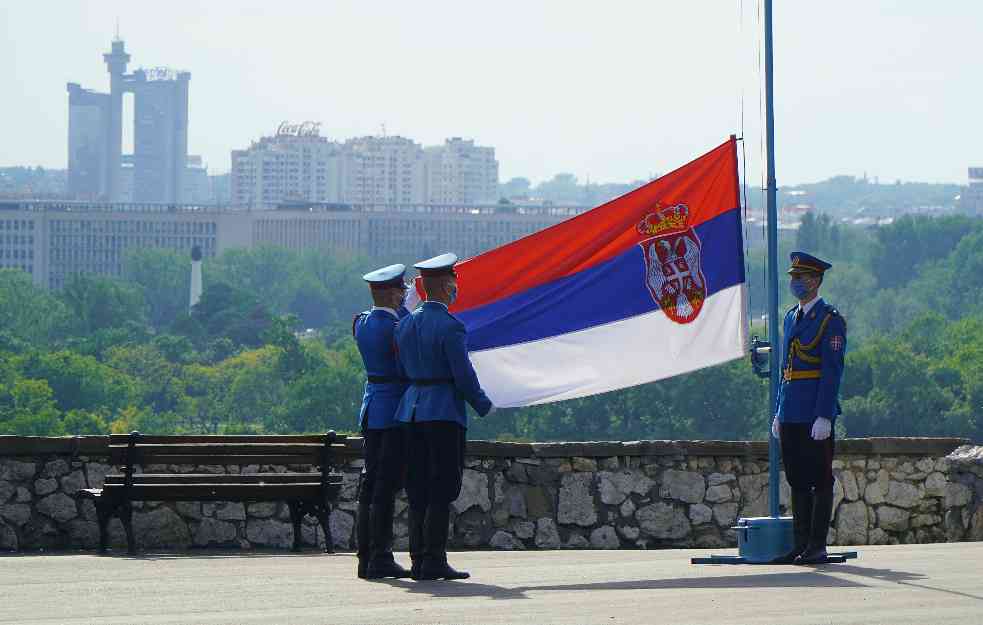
{"type": "Point", "coordinates": [303, 129]}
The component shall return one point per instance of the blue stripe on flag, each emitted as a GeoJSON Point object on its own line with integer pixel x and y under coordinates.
{"type": "Point", "coordinates": [608, 292]}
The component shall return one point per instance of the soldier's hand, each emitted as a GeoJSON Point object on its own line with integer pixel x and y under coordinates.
{"type": "Point", "coordinates": [821, 429]}
{"type": "Point", "coordinates": [776, 428]}
{"type": "Point", "coordinates": [492, 411]}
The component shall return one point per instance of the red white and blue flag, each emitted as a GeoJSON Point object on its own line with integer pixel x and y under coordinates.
{"type": "Point", "coordinates": [645, 287]}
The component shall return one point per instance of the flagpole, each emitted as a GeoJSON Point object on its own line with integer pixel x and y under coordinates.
{"type": "Point", "coordinates": [772, 208]}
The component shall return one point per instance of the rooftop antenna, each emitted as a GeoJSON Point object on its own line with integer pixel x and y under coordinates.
{"type": "Point", "coordinates": [117, 29]}
{"type": "Point", "coordinates": [383, 129]}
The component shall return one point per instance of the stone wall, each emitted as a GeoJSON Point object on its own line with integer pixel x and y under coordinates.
{"type": "Point", "coordinates": [646, 494]}
{"type": "Point", "coordinates": [964, 495]}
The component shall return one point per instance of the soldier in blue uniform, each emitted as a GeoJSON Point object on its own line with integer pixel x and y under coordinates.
{"type": "Point", "coordinates": [433, 353]}
{"type": "Point", "coordinates": [382, 435]}
{"type": "Point", "coordinates": [808, 404]}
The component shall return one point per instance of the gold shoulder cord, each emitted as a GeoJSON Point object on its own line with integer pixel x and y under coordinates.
{"type": "Point", "coordinates": [797, 349]}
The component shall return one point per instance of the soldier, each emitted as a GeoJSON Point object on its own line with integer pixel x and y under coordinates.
{"type": "Point", "coordinates": [382, 435]}
{"type": "Point", "coordinates": [807, 407]}
{"type": "Point", "coordinates": [432, 348]}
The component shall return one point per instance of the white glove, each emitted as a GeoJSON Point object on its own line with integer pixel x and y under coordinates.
{"type": "Point", "coordinates": [412, 298]}
{"type": "Point", "coordinates": [776, 428]}
{"type": "Point", "coordinates": [492, 411]}
{"type": "Point", "coordinates": [821, 429]}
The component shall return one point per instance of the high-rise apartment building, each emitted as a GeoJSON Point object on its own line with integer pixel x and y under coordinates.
{"type": "Point", "coordinates": [971, 200]}
{"type": "Point", "coordinates": [292, 165]}
{"type": "Point", "coordinates": [381, 171]}
{"type": "Point", "coordinates": [459, 172]}
{"type": "Point", "coordinates": [160, 134]}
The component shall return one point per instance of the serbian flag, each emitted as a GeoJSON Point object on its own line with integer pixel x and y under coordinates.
{"type": "Point", "coordinates": [645, 287]}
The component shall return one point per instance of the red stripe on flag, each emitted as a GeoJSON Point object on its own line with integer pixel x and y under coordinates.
{"type": "Point", "coordinates": [708, 186]}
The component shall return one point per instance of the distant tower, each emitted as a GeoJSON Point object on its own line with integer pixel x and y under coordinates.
{"type": "Point", "coordinates": [116, 62]}
{"type": "Point", "coordinates": [195, 276]}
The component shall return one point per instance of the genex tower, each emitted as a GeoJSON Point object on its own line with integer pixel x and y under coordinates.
{"type": "Point", "coordinates": [97, 167]}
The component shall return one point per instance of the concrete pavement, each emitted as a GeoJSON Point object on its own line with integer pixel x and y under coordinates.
{"type": "Point", "coordinates": [890, 585]}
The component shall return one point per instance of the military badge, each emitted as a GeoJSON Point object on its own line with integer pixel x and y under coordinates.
{"type": "Point", "coordinates": [673, 273]}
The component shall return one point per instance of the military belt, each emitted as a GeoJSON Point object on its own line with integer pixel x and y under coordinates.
{"type": "Point", "coordinates": [385, 379]}
{"type": "Point", "coordinates": [802, 375]}
{"type": "Point", "coordinates": [431, 381]}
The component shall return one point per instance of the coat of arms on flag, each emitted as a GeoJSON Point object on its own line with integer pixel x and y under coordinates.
{"type": "Point", "coordinates": [672, 263]}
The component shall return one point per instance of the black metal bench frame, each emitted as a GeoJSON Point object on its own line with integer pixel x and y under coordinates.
{"type": "Point", "coordinates": [305, 493]}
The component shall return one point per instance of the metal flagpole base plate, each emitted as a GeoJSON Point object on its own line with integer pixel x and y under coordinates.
{"type": "Point", "coordinates": [832, 558]}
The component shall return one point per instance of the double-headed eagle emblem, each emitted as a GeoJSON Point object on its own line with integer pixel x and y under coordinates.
{"type": "Point", "coordinates": [673, 273]}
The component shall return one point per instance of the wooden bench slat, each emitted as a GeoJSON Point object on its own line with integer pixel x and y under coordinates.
{"type": "Point", "coordinates": [226, 449]}
{"type": "Point", "coordinates": [220, 492]}
{"type": "Point", "coordinates": [124, 439]}
{"type": "Point", "coordinates": [223, 478]}
{"type": "Point", "coordinates": [209, 459]}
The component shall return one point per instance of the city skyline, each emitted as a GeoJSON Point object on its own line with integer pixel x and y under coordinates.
{"type": "Point", "coordinates": [553, 88]}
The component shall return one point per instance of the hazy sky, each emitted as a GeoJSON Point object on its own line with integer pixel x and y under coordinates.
{"type": "Point", "coordinates": [611, 90]}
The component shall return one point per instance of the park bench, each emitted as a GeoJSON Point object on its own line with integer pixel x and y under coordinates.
{"type": "Point", "coordinates": [309, 492]}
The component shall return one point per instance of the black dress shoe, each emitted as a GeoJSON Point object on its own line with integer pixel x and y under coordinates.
{"type": "Point", "coordinates": [813, 556]}
{"type": "Point", "coordinates": [363, 567]}
{"type": "Point", "coordinates": [379, 569]}
{"type": "Point", "coordinates": [440, 570]}
{"type": "Point", "coordinates": [788, 558]}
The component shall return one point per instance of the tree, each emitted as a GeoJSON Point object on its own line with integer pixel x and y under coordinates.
{"type": "Point", "coordinates": [164, 278]}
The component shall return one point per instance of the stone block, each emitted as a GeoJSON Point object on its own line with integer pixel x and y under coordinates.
{"type": "Point", "coordinates": [547, 536]}
{"type": "Point", "coordinates": [539, 501]}
{"type": "Point", "coordinates": [975, 530]}
{"type": "Point", "coordinates": [7, 490]}
{"type": "Point", "coordinates": [212, 531]}
{"type": "Point", "coordinates": [188, 509]}
{"type": "Point", "coordinates": [851, 523]}
{"type": "Point", "coordinates": [700, 513]}
{"type": "Point", "coordinates": [341, 524]}
{"type": "Point", "coordinates": [718, 493]}
{"type": "Point", "coordinates": [58, 506]}
{"type": "Point", "coordinates": [627, 509]}
{"type": "Point", "coordinates": [84, 534]}
{"type": "Point", "coordinates": [716, 479]}
{"type": "Point", "coordinates": [604, 537]}
{"type": "Point", "coordinates": [55, 468]}
{"type": "Point", "coordinates": [587, 465]}
{"type": "Point", "coordinates": [45, 486]}
{"type": "Point", "coordinates": [925, 520]}
{"type": "Point", "coordinates": [576, 541]}
{"type": "Point", "coordinates": [877, 536]}
{"type": "Point", "coordinates": [686, 486]}
{"type": "Point", "coordinates": [630, 532]}
{"type": "Point", "coordinates": [725, 514]}
{"type": "Point", "coordinates": [892, 519]}
{"type": "Point", "coordinates": [8, 538]}
{"type": "Point", "coordinates": [474, 492]}
{"type": "Point", "coordinates": [73, 482]}
{"type": "Point", "coordinates": [754, 494]}
{"type": "Point", "coordinates": [23, 495]}
{"type": "Point", "coordinates": [903, 494]}
{"type": "Point", "coordinates": [524, 529]}
{"type": "Point", "coordinates": [269, 533]}
{"type": "Point", "coordinates": [515, 502]}
{"type": "Point", "coordinates": [957, 494]}
{"type": "Point", "coordinates": [17, 470]}
{"type": "Point", "coordinates": [662, 520]}
{"type": "Point", "coordinates": [161, 527]}
{"type": "Point", "coordinates": [16, 513]}
{"type": "Point", "coordinates": [504, 541]}
{"type": "Point", "coordinates": [576, 502]}
{"type": "Point", "coordinates": [849, 481]}
{"type": "Point", "coordinates": [257, 509]}
{"type": "Point", "coordinates": [516, 473]}
{"type": "Point", "coordinates": [615, 487]}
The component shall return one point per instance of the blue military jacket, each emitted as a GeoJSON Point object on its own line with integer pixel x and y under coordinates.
{"type": "Point", "coordinates": [433, 347]}
{"type": "Point", "coordinates": [373, 331]}
{"type": "Point", "coordinates": [812, 365]}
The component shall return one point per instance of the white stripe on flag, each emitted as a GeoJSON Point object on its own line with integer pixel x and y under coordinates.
{"type": "Point", "coordinates": [616, 355]}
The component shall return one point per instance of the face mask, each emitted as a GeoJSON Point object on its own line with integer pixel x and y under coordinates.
{"type": "Point", "coordinates": [453, 293]}
{"type": "Point", "coordinates": [799, 288]}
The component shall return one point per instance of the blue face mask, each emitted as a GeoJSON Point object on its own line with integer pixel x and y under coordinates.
{"type": "Point", "coordinates": [799, 288]}
{"type": "Point", "coordinates": [453, 294]}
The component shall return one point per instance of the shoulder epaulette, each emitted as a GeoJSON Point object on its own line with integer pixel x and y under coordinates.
{"type": "Point", "coordinates": [355, 320]}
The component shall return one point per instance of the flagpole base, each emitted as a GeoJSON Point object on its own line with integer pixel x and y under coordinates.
{"type": "Point", "coordinates": [832, 558]}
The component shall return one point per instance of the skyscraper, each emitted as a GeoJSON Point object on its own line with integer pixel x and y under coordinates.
{"type": "Point", "coordinates": [160, 150]}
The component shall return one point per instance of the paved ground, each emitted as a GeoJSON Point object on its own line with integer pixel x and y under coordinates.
{"type": "Point", "coordinates": [923, 584]}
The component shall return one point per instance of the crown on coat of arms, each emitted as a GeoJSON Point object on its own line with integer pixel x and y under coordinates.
{"type": "Point", "coordinates": [668, 220]}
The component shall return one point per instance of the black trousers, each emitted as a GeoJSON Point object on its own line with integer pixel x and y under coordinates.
{"type": "Point", "coordinates": [383, 475]}
{"type": "Point", "coordinates": [435, 462]}
{"type": "Point", "coordinates": [808, 463]}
